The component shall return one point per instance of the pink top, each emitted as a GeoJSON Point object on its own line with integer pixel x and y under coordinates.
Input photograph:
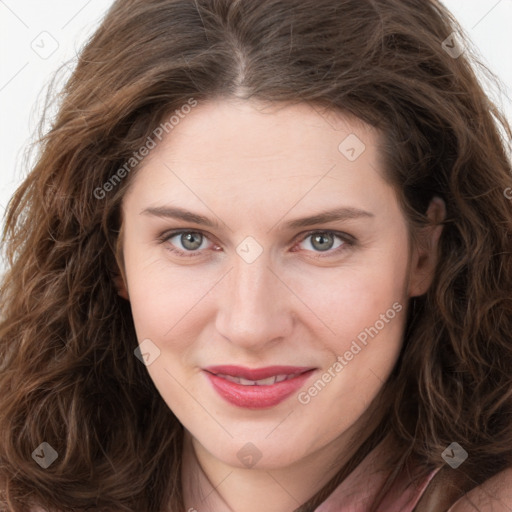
{"type": "Point", "coordinates": [356, 492]}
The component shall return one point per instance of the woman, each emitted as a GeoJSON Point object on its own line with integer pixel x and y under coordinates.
{"type": "Point", "coordinates": [175, 334]}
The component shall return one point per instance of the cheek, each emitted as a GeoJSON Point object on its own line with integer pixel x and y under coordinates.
{"type": "Point", "coordinates": [367, 314]}
{"type": "Point", "coordinates": [354, 299]}
{"type": "Point", "coordinates": [162, 297]}
{"type": "Point", "coordinates": [368, 318]}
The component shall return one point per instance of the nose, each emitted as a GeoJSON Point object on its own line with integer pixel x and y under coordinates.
{"type": "Point", "coordinates": [255, 308]}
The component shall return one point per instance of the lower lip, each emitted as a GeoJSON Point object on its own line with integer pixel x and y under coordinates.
{"type": "Point", "coordinates": [257, 397]}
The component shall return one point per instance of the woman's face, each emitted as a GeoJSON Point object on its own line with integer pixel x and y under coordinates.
{"type": "Point", "coordinates": [250, 285]}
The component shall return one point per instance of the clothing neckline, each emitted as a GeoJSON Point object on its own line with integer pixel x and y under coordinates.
{"type": "Point", "coordinates": [359, 489]}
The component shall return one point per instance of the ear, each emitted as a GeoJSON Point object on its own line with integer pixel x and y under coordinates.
{"type": "Point", "coordinates": [425, 251]}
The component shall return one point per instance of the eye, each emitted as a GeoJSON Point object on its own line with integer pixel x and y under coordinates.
{"type": "Point", "coordinates": [323, 242]}
{"type": "Point", "coordinates": [191, 241]}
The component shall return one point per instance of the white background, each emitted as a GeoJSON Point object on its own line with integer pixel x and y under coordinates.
{"type": "Point", "coordinates": [29, 26]}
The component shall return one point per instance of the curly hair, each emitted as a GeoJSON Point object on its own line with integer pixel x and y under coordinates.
{"type": "Point", "coordinates": [68, 373]}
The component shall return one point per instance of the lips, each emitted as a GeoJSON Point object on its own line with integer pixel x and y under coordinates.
{"type": "Point", "coordinates": [257, 388]}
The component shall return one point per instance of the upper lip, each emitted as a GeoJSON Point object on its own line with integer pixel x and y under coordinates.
{"type": "Point", "coordinates": [257, 373]}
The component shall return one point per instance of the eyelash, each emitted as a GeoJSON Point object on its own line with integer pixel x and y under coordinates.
{"type": "Point", "coordinates": [348, 241]}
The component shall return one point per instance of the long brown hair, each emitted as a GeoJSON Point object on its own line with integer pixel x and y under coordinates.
{"type": "Point", "coordinates": [69, 376]}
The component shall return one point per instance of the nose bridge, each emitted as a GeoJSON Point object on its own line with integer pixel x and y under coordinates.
{"type": "Point", "coordinates": [253, 284]}
{"type": "Point", "coordinates": [254, 310]}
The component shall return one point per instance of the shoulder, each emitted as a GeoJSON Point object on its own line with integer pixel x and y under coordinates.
{"type": "Point", "coordinates": [494, 495]}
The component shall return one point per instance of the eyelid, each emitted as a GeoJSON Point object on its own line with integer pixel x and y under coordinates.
{"type": "Point", "coordinates": [348, 240]}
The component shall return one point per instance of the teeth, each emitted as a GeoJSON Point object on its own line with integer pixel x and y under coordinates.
{"type": "Point", "coordinates": [262, 382]}
{"type": "Point", "coordinates": [247, 382]}
{"type": "Point", "coordinates": [230, 378]}
{"type": "Point", "coordinates": [267, 382]}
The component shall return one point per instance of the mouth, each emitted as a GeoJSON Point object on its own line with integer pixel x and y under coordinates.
{"type": "Point", "coordinates": [257, 388]}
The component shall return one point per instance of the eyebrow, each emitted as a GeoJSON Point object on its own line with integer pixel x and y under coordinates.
{"type": "Point", "coordinates": [342, 213]}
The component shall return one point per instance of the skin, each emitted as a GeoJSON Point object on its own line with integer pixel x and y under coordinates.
{"type": "Point", "coordinates": [253, 168]}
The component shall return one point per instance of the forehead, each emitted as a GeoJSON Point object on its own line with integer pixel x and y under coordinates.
{"type": "Point", "coordinates": [249, 129]}
{"type": "Point", "coordinates": [259, 155]}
